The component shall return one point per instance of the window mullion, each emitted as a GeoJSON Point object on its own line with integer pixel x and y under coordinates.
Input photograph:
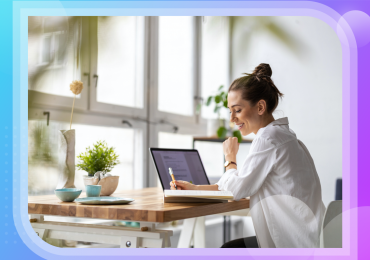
{"type": "Point", "coordinates": [167, 115]}
{"type": "Point", "coordinates": [93, 29]}
{"type": "Point", "coordinates": [198, 66]}
{"type": "Point", "coordinates": [152, 134]}
{"type": "Point", "coordinates": [229, 56]}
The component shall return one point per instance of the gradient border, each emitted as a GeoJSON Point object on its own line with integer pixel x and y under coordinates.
{"type": "Point", "coordinates": [21, 10]}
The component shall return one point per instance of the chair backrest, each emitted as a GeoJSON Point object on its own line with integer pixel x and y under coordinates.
{"type": "Point", "coordinates": [338, 189]}
{"type": "Point", "coordinates": [331, 230]}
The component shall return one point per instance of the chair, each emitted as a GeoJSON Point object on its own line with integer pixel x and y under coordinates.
{"type": "Point", "coordinates": [331, 229]}
{"type": "Point", "coordinates": [338, 189]}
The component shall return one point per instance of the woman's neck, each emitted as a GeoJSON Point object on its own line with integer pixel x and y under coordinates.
{"type": "Point", "coordinates": [265, 120]}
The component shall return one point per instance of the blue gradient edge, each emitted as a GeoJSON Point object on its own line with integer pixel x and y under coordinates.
{"type": "Point", "coordinates": [20, 108]}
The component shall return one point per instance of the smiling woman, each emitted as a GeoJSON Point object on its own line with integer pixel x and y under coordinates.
{"type": "Point", "coordinates": [253, 97]}
{"type": "Point", "coordinates": [257, 86]}
{"type": "Point", "coordinates": [278, 175]}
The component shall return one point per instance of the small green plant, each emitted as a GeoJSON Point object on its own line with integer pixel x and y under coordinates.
{"type": "Point", "coordinates": [220, 101]}
{"type": "Point", "coordinates": [98, 158]}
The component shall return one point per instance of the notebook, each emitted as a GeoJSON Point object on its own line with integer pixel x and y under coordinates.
{"type": "Point", "coordinates": [197, 196]}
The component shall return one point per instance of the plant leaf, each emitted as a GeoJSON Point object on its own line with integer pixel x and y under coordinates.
{"type": "Point", "coordinates": [220, 87]}
{"type": "Point", "coordinates": [99, 158]}
{"type": "Point", "coordinates": [218, 99]}
{"type": "Point", "coordinates": [237, 134]}
{"type": "Point", "coordinates": [217, 108]}
{"type": "Point", "coordinates": [225, 103]}
{"type": "Point", "coordinates": [209, 100]}
{"type": "Point", "coordinates": [221, 132]}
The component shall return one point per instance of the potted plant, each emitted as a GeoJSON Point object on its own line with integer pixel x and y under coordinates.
{"type": "Point", "coordinates": [97, 161]}
{"type": "Point", "coordinates": [220, 102]}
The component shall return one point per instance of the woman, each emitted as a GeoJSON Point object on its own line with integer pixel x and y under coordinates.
{"type": "Point", "coordinates": [278, 175]}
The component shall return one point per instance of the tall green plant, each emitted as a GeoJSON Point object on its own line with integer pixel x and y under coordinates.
{"type": "Point", "coordinates": [98, 158]}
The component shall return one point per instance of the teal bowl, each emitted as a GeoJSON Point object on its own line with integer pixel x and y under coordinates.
{"type": "Point", "coordinates": [68, 195]}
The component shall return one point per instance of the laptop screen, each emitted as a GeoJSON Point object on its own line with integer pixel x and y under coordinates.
{"type": "Point", "coordinates": [186, 166]}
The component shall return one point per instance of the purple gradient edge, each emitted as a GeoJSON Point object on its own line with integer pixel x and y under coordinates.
{"type": "Point", "coordinates": [349, 117]}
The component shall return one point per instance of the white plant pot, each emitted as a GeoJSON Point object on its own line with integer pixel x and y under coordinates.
{"type": "Point", "coordinates": [108, 184]}
{"type": "Point", "coordinates": [90, 180]}
{"type": "Point", "coordinates": [213, 125]}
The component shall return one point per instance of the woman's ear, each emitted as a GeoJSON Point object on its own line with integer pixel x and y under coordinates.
{"type": "Point", "coordinates": [262, 107]}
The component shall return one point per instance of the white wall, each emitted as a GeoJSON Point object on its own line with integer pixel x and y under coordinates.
{"type": "Point", "coordinates": [310, 77]}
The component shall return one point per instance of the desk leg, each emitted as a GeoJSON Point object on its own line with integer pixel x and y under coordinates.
{"type": "Point", "coordinates": [42, 233]}
{"type": "Point", "coordinates": [227, 229]}
{"type": "Point", "coordinates": [186, 233]}
{"type": "Point", "coordinates": [193, 228]}
{"type": "Point", "coordinates": [200, 233]}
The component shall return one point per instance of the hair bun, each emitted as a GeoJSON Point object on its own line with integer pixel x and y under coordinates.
{"type": "Point", "coordinates": [263, 69]}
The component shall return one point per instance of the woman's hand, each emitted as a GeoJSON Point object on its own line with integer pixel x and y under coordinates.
{"type": "Point", "coordinates": [183, 185]}
{"type": "Point", "coordinates": [231, 148]}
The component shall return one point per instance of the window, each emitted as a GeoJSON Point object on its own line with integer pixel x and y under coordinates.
{"type": "Point", "coordinates": [117, 61]}
{"type": "Point", "coordinates": [54, 54]}
{"type": "Point", "coordinates": [120, 63]}
{"type": "Point", "coordinates": [176, 141]}
{"type": "Point", "coordinates": [132, 69]}
{"type": "Point", "coordinates": [176, 64]}
{"type": "Point", "coordinates": [215, 59]}
{"type": "Point", "coordinates": [54, 38]}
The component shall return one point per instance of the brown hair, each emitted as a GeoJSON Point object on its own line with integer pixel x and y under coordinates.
{"type": "Point", "coordinates": [258, 85]}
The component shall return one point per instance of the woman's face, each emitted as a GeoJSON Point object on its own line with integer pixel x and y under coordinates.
{"type": "Point", "coordinates": [246, 118]}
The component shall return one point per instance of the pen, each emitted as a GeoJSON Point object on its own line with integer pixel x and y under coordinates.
{"type": "Point", "coordinates": [173, 177]}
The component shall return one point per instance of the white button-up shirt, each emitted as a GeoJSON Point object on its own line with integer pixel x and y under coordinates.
{"type": "Point", "coordinates": [280, 178]}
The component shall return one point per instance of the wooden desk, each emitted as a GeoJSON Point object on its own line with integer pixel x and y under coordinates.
{"type": "Point", "coordinates": [148, 209]}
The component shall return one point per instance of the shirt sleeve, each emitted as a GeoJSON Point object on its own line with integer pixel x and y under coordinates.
{"type": "Point", "coordinates": [249, 178]}
{"type": "Point", "coordinates": [225, 177]}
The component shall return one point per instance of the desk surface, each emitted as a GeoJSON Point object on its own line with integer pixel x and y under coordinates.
{"type": "Point", "coordinates": [148, 206]}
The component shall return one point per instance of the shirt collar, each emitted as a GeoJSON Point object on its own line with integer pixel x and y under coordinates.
{"type": "Point", "coordinates": [281, 121]}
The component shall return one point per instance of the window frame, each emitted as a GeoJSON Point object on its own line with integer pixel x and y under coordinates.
{"type": "Point", "coordinates": [228, 58]}
{"type": "Point", "coordinates": [149, 120]}
{"type": "Point", "coordinates": [111, 108]}
{"type": "Point", "coordinates": [155, 113]}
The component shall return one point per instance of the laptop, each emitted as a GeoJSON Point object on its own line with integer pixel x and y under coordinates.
{"type": "Point", "coordinates": [185, 163]}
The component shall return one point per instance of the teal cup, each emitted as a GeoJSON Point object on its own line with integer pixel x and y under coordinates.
{"type": "Point", "coordinates": [93, 190]}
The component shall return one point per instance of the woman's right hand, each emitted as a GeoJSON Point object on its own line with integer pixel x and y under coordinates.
{"type": "Point", "coordinates": [183, 185]}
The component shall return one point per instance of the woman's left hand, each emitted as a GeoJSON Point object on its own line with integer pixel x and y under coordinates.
{"type": "Point", "coordinates": [231, 148]}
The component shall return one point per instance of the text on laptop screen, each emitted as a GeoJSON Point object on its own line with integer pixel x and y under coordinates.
{"type": "Point", "coordinates": [186, 166]}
